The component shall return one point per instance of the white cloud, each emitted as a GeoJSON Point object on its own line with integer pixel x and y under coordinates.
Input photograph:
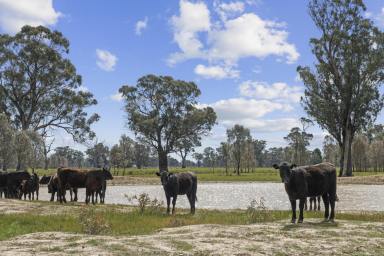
{"type": "Point", "coordinates": [250, 36]}
{"type": "Point", "coordinates": [82, 88]}
{"type": "Point", "coordinates": [224, 42]}
{"type": "Point", "coordinates": [228, 10]}
{"type": "Point", "coordinates": [261, 125]}
{"type": "Point", "coordinates": [251, 114]}
{"type": "Point", "coordinates": [105, 60]}
{"type": "Point", "coordinates": [116, 97]}
{"type": "Point", "coordinates": [193, 18]}
{"type": "Point", "coordinates": [278, 91]}
{"type": "Point", "coordinates": [141, 25]}
{"type": "Point", "coordinates": [16, 13]}
{"type": "Point", "coordinates": [216, 72]}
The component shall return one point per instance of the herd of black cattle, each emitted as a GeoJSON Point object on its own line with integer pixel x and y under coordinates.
{"type": "Point", "coordinates": [300, 182]}
{"type": "Point", "coordinates": [21, 183]}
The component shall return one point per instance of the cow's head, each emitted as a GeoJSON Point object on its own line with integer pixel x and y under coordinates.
{"type": "Point", "coordinates": [107, 175]}
{"type": "Point", "coordinates": [285, 171]}
{"type": "Point", "coordinates": [164, 176]}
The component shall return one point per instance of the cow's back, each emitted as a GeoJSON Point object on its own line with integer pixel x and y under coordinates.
{"type": "Point", "coordinates": [74, 178]}
{"type": "Point", "coordinates": [185, 182]}
{"type": "Point", "coordinates": [320, 178]}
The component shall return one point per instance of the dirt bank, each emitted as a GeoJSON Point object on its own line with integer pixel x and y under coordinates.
{"type": "Point", "coordinates": [310, 238]}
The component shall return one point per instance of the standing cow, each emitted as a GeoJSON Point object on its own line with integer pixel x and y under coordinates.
{"type": "Point", "coordinates": [14, 180]}
{"type": "Point", "coordinates": [309, 181]}
{"type": "Point", "coordinates": [30, 187]}
{"type": "Point", "coordinates": [3, 184]}
{"type": "Point", "coordinates": [95, 183]}
{"type": "Point", "coordinates": [179, 184]}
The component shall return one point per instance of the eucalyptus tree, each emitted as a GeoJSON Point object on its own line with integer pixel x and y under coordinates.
{"type": "Point", "coordinates": [342, 92]}
{"type": "Point", "coordinates": [98, 155]}
{"type": "Point", "coordinates": [39, 86]}
{"type": "Point", "coordinates": [237, 137]}
{"type": "Point", "coordinates": [127, 149]}
{"type": "Point", "coordinates": [7, 143]}
{"type": "Point", "coordinates": [298, 140]}
{"type": "Point", "coordinates": [198, 157]}
{"type": "Point", "coordinates": [223, 153]}
{"type": "Point", "coordinates": [142, 155]}
{"type": "Point", "coordinates": [185, 147]}
{"type": "Point", "coordinates": [163, 111]}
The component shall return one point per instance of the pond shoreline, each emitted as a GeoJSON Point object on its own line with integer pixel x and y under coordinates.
{"type": "Point", "coordinates": [143, 180]}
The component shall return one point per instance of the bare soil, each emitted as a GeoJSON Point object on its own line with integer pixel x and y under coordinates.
{"type": "Point", "coordinates": [279, 238]}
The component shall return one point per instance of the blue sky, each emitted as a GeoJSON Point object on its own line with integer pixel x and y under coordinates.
{"type": "Point", "coordinates": [242, 54]}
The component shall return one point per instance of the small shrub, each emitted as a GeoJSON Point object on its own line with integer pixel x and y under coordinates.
{"type": "Point", "coordinates": [258, 212]}
{"type": "Point", "coordinates": [93, 222]}
{"type": "Point", "coordinates": [145, 203]}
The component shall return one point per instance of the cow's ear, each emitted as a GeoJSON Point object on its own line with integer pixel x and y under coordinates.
{"type": "Point", "coordinates": [275, 166]}
{"type": "Point", "coordinates": [157, 173]}
{"type": "Point", "coordinates": [293, 166]}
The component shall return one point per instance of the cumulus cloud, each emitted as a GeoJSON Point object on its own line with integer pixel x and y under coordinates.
{"type": "Point", "coordinates": [276, 91]}
{"type": "Point", "coordinates": [228, 10]}
{"type": "Point", "coordinates": [141, 25]}
{"type": "Point", "coordinates": [252, 113]}
{"type": "Point", "coordinates": [105, 60]}
{"type": "Point", "coordinates": [216, 72]}
{"type": "Point", "coordinates": [224, 42]}
{"type": "Point", "coordinates": [16, 14]}
{"type": "Point", "coordinates": [116, 97]}
{"type": "Point", "coordinates": [193, 18]}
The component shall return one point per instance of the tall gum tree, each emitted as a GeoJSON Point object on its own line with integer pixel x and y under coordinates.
{"type": "Point", "coordinates": [39, 86]}
{"type": "Point", "coordinates": [342, 93]}
{"type": "Point", "coordinates": [162, 112]}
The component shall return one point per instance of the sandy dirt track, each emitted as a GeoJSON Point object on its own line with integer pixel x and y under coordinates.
{"type": "Point", "coordinates": [279, 238]}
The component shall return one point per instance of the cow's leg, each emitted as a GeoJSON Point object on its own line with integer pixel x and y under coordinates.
{"type": "Point", "coordinates": [191, 202]}
{"type": "Point", "coordinates": [75, 192]}
{"type": "Point", "coordinates": [86, 196]}
{"type": "Point", "coordinates": [301, 206]}
{"type": "Point", "coordinates": [306, 204]}
{"type": "Point", "coordinates": [326, 206]}
{"type": "Point", "coordinates": [168, 202]}
{"type": "Point", "coordinates": [37, 194]}
{"type": "Point", "coordinates": [293, 206]}
{"type": "Point", "coordinates": [318, 203]}
{"type": "Point", "coordinates": [174, 203]}
{"type": "Point", "coordinates": [332, 200]}
{"type": "Point", "coordinates": [93, 197]}
{"type": "Point", "coordinates": [52, 196]}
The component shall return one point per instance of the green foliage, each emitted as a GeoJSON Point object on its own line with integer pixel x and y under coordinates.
{"type": "Point", "coordinates": [162, 111]}
{"type": "Point", "coordinates": [342, 93]}
{"type": "Point", "coordinates": [39, 85]}
{"type": "Point", "coordinates": [237, 137]}
{"type": "Point", "coordinates": [98, 155]}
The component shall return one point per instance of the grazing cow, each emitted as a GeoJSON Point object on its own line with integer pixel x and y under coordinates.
{"type": "Point", "coordinates": [53, 188]}
{"type": "Point", "coordinates": [14, 180]}
{"type": "Point", "coordinates": [96, 182]}
{"type": "Point", "coordinates": [179, 184]}
{"type": "Point", "coordinates": [309, 181]}
{"type": "Point", "coordinates": [30, 187]}
{"type": "Point", "coordinates": [3, 184]}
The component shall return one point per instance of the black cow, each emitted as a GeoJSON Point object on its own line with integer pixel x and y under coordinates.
{"type": "Point", "coordinates": [96, 183]}
{"type": "Point", "coordinates": [3, 184]}
{"type": "Point", "coordinates": [53, 188]}
{"type": "Point", "coordinates": [30, 187]}
{"type": "Point", "coordinates": [309, 181]}
{"type": "Point", "coordinates": [179, 184]}
{"type": "Point", "coordinates": [14, 180]}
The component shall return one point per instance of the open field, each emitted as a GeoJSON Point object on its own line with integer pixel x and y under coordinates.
{"type": "Point", "coordinates": [132, 176]}
{"type": "Point", "coordinates": [53, 229]}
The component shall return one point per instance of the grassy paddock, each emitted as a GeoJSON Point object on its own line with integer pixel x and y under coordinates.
{"type": "Point", "coordinates": [207, 174]}
{"type": "Point", "coordinates": [136, 223]}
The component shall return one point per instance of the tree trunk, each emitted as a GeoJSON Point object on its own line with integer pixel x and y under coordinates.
{"type": "Point", "coordinates": [341, 147]}
{"type": "Point", "coordinates": [163, 160]}
{"type": "Point", "coordinates": [347, 159]}
{"type": "Point", "coordinates": [183, 160]}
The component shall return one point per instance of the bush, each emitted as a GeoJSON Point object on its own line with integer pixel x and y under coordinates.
{"type": "Point", "coordinates": [93, 222]}
{"type": "Point", "coordinates": [145, 203]}
{"type": "Point", "coordinates": [258, 212]}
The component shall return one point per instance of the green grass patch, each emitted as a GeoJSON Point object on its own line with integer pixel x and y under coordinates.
{"type": "Point", "coordinates": [136, 223]}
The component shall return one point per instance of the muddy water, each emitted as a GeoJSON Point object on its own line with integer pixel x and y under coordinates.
{"type": "Point", "coordinates": [239, 195]}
